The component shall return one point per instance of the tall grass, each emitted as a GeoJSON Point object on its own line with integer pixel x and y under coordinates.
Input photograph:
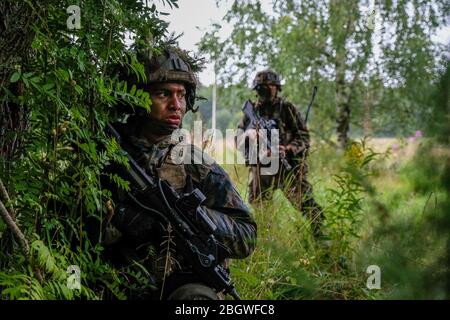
{"type": "Point", "coordinates": [378, 211]}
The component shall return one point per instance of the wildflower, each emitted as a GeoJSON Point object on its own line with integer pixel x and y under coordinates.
{"type": "Point", "coordinates": [304, 262]}
{"type": "Point", "coordinates": [355, 154]}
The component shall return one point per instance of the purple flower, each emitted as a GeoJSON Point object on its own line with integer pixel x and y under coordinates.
{"type": "Point", "coordinates": [419, 134]}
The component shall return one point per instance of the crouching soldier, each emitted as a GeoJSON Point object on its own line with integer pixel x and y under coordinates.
{"type": "Point", "coordinates": [135, 236]}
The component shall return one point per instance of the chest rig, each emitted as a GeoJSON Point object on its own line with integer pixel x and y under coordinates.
{"type": "Point", "coordinates": [158, 159]}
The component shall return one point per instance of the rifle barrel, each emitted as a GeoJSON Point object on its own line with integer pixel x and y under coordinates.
{"type": "Point", "coordinates": [310, 103]}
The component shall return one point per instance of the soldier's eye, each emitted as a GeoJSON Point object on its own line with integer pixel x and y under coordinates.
{"type": "Point", "coordinates": [162, 93]}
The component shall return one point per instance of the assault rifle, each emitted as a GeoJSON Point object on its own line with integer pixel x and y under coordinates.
{"type": "Point", "coordinates": [257, 123]}
{"type": "Point", "coordinates": [192, 227]}
{"type": "Point", "coordinates": [310, 103]}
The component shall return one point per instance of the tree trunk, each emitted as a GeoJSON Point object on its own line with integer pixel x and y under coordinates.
{"type": "Point", "coordinates": [342, 102]}
{"type": "Point", "coordinates": [367, 124]}
{"type": "Point", "coordinates": [16, 36]}
{"type": "Point", "coordinates": [343, 124]}
{"type": "Point", "coordinates": [342, 17]}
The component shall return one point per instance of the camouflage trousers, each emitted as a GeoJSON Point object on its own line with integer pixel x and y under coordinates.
{"type": "Point", "coordinates": [297, 189]}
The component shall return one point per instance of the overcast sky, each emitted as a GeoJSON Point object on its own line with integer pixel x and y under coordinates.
{"type": "Point", "coordinates": [194, 18]}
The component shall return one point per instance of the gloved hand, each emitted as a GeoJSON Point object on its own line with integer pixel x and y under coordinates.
{"type": "Point", "coordinates": [136, 224]}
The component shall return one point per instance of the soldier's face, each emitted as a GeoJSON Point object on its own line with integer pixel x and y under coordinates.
{"type": "Point", "coordinates": [273, 90]}
{"type": "Point", "coordinates": [168, 104]}
{"type": "Point", "coordinates": [267, 92]}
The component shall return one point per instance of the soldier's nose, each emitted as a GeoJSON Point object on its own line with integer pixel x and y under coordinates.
{"type": "Point", "coordinates": [175, 102]}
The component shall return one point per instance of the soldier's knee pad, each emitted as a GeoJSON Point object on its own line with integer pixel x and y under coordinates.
{"type": "Point", "coordinates": [193, 291]}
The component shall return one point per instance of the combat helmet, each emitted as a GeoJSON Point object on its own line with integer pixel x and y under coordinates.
{"type": "Point", "coordinates": [168, 64]}
{"type": "Point", "coordinates": [266, 77]}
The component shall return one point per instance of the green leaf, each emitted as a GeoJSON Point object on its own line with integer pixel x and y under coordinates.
{"type": "Point", "coordinates": [48, 86]}
{"type": "Point", "coordinates": [133, 90]}
{"type": "Point", "coordinates": [15, 76]}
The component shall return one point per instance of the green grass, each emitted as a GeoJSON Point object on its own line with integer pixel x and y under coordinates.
{"type": "Point", "coordinates": [391, 212]}
{"type": "Point", "coordinates": [391, 229]}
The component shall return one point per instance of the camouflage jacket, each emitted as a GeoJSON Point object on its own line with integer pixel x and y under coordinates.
{"type": "Point", "coordinates": [293, 130]}
{"type": "Point", "coordinates": [236, 228]}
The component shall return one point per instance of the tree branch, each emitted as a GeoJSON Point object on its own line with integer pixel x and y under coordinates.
{"type": "Point", "coordinates": [19, 235]}
{"type": "Point", "coordinates": [5, 197]}
{"type": "Point", "coordinates": [15, 229]}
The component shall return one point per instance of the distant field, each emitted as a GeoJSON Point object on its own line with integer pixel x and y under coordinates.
{"type": "Point", "coordinates": [403, 148]}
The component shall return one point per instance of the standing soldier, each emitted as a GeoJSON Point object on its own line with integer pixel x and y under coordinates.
{"type": "Point", "coordinates": [133, 235]}
{"type": "Point", "coordinates": [294, 142]}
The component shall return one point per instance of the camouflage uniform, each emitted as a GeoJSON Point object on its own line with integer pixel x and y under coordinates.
{"type": "Point", "coordinates": [292, 131]}
{"type": "Point", "coordinates": [134, 229]}
{"type": "Point", "coordinates": [133, 237]}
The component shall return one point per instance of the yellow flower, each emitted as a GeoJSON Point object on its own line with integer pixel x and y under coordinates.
{"type": "Point", "coordinates": [355, 154]}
